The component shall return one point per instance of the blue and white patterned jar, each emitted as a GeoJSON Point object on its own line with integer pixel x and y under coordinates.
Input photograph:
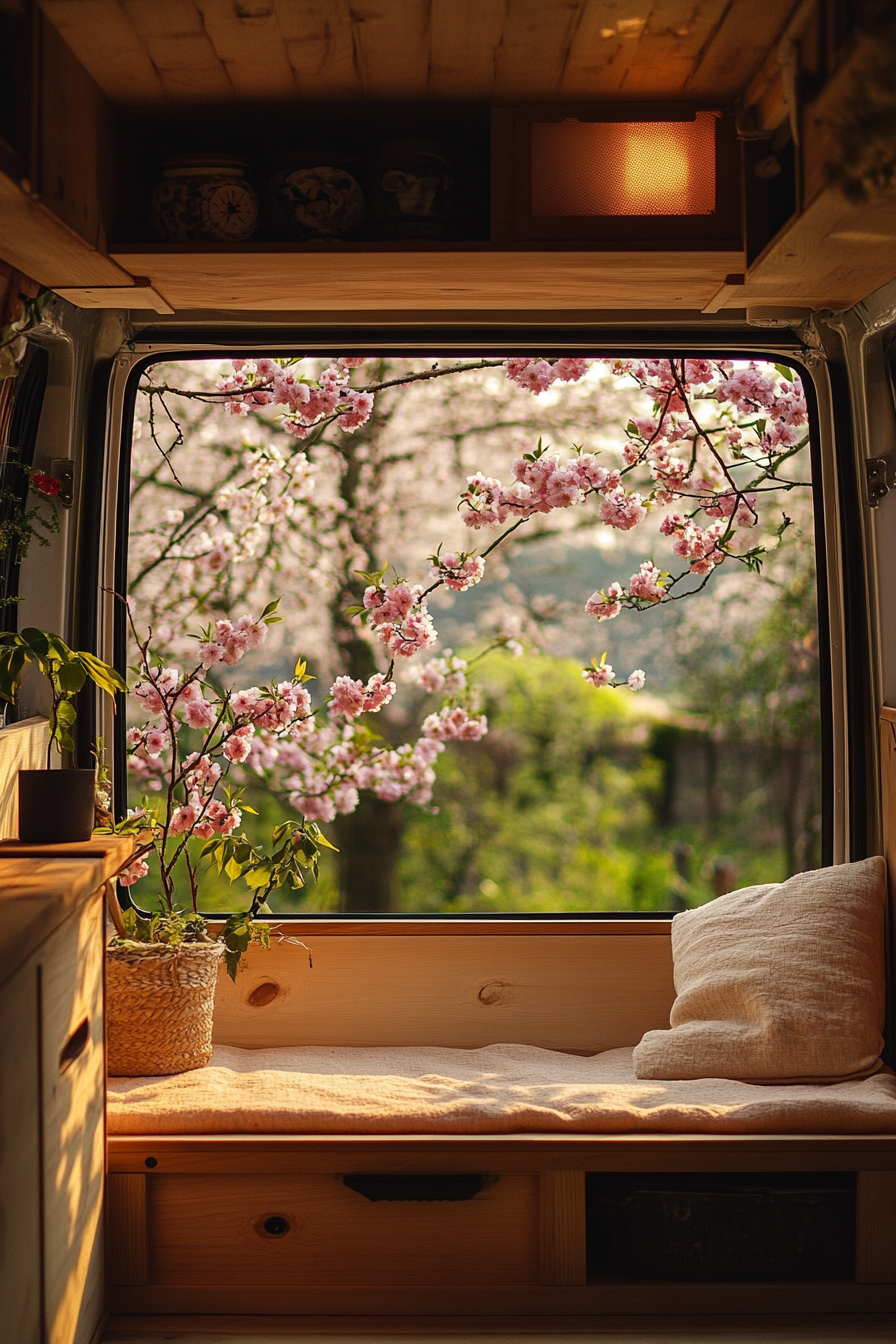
{"type": "Point", "coordinates": [204, 198]}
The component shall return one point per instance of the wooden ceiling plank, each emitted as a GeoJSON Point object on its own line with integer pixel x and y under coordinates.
{"type": "Point", "coordinates": [603, 48]}
{"type": "Point", "coordinates": [319, 46]}
{"type": "Point", "coordinates": [391, 44]}
{"type": "Point", "coordinates": [465, 36]}
{"type": "Point", "coordinates": [102, 37]}
{"type": "Point", "coordinates": [738, 48]}
{"type": "Point", "coordinates": [669, 47]}
{"type": "Point", "coordinates": [249, 44]}
{"type": "Point", "coordinates": [175, 39]}
{"type": "Point", "coordinates": [535, 47]}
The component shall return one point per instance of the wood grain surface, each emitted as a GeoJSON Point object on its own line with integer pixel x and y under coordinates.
{"type": "Point", "coordinates": [216, 51]}
{"type": "Point", "coordinates": [40, 886]}
{"type": "Point", "coordinates": [562, 993]}
{"type": "Point", "coordinates": [210, 1230]}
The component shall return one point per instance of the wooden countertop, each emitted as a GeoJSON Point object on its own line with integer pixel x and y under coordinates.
{"type": "Point", "coordinates": [40, 886]}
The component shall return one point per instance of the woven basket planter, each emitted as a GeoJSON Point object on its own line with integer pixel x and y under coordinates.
{"type": "Point", "coordinates": [159, 1005]}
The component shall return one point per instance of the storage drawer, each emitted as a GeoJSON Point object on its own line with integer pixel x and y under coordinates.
{"type": "Point", "coordinates": [72, 1066]}
{"type": "Point", "coordinates": [211, 1230]}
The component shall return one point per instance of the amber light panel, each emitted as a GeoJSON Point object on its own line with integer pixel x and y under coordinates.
{"type": "Point", "coordinates": [592, 168]}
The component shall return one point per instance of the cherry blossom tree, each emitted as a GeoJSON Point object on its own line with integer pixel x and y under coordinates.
{"type": "Point", "coordinates": [332, 463]}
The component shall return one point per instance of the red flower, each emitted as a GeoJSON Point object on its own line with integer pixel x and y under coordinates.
{"type": "Point", "coordinates": [45, 485]}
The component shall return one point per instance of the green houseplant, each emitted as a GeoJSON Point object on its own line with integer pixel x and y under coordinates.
{"type": "Point", "coordinates": [55, 806]}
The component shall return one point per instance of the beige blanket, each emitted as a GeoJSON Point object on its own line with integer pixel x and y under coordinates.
{"type": "Point", "coordinates": [500, 1089]}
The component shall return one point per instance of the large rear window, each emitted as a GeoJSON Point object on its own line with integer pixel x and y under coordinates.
{"type": "Point", "coordinates": [558, 616]}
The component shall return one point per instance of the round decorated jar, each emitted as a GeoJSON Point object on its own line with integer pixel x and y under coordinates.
{"type": "Point", "coordinates": [204, 198]}
{"type": "Point", "coordinates": [314, 197]}
{"type": "Point", "coordinates": [411, 190]}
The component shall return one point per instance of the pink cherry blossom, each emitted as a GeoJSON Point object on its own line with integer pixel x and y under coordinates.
{"type": "Point", "coordinates": [647, 584]}
{"type": "Point", "coordinates": [617, 509]}
{"type": "Point", "coordinates": [400, 619]}
{"type": "Point", "coordinates": [314, 809]}
{"type": "Point", "coordinates": [347, 696]}
{"type": "Point", "coordinates": [183, 819]}
{"type": "Point", "coordinates": [636, 680]}
{"type": "Point", "coordinates": [571, 370]}
{"type": "Point", "coordinates": [459, 572]}
{"type": "Point", "coordinates": [602, 675]}
{"type": "Point", "coordinates": [156, 741]}
{"type": "Point", "coordinates": [345, 798]}
{"type": "Point", "coordinates": [605, 605]}
{"type": "Point", "coordinates": [455, 723]}
{"type": "Point", "coordinates": [133, 873]}
{"type": "Point", "coordinates": [200, 714]}
{"type": "Point", "coordinates": [237, 746]}
{"type": "Point", "coordinates": [359, 407]}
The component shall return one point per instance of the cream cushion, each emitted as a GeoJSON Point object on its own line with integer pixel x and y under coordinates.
{"type": "Point", "coordinates": [497, 1089]}
{"type": "Point", "coordinates": [783, 982]}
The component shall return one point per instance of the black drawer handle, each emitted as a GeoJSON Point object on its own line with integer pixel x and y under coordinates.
{"type": "Point", "coordinates": [75, 1045]}
{"type": "Point", "coordinates": [417, 1189]}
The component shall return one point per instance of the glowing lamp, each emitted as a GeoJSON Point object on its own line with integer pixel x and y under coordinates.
{"type": "Point", "coordinates": [668, 175]}
{"type": "Point", "coordinates": [624, 167]}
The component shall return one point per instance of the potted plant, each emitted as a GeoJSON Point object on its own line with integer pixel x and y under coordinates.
{"type": "Point", "coordinates": [162, 966]}
{"type": "Point", "coordinates": [55, 806]}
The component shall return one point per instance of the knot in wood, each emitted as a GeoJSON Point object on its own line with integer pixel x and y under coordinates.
{"type": "Point", "coordinates": [263, 994]}
{"type": "Point", "coordinates": [496, 991]}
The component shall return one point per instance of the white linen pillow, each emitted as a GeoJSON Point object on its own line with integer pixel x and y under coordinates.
{"type": "Point", "coordinates": [782, 982]}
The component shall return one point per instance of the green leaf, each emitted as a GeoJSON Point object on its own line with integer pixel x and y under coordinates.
{"type": "Point", "coordinates": [258, 877]}
{"type": "Point", "coordinates": [66, 713]}
{"type": "Point", "coordinates": [105, 676]}
{"type": "Point", "coordinates": [233, 869]}
{"type": "Point", "coordinates": [785, 372]}
{"type": "Point", "coordinates": [71, 677]}
{"type": "Point", "coordinates": [271, 606]}
{"type": "Point", "coordinates": [36, 640]}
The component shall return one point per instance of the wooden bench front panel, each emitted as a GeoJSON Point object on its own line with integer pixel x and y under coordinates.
{"type": "Point", "coordinates": [210, 1230]}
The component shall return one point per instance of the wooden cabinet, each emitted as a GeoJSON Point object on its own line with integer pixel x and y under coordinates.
{"type": "Point", "coordinates": [20, 1157]}
{"type": "Point", "coordinates": [52, 1094]}
{"type": "Point", "coordinates": [73, 1125]}
{"type": "Point", "coordinates": [52, 1138]}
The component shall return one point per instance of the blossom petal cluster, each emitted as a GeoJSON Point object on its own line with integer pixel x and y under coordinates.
{"type": "Point", "coordinates": [231, 640]}
{"type": "Point", "coordinates": [537, 375]}
{"type": "Point", "coordinates": [399, 618]}
{"type": "Point", "coordinates": [266, 382]}
{"type": "Point", "coordinates": [458, 572]}
{"type": "Point", "coordinates": [351, 697]}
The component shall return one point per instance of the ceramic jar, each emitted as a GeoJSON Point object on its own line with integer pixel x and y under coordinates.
{"type": "Point", "coordinates": [314, 197]}
{"type": "Point", "coordinates": [204, 198]}
{"type": "Point", "coordinates": [411, 190]}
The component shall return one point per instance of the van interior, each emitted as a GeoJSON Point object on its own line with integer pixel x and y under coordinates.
{"type": "Point", "coordinates": [286, 285]}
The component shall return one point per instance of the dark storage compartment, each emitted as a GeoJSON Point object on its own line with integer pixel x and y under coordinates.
{"type": "Point", "coordinates": [727, 1227]}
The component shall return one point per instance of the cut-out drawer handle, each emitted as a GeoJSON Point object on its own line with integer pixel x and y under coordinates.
{"type": "Point", "coordinates": [75, 1045]}
{"type": "Point", "coordinates": [422, 1188]}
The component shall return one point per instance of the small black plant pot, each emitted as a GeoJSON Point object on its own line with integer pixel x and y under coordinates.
{"type": "Point", "coordinates": [56, 806]}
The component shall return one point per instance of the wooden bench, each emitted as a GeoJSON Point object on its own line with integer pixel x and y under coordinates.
{"type": "Point", "coordinates": [186, 1215]}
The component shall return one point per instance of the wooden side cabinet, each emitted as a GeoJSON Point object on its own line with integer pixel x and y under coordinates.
{"type": "Point", "coordinates": [20, 1159]}
{"type": "Point", "coordinates": [52, 1126]}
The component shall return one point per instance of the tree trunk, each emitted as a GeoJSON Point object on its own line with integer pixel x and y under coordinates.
{"type": "Point", "coordinates": [369, 843]}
